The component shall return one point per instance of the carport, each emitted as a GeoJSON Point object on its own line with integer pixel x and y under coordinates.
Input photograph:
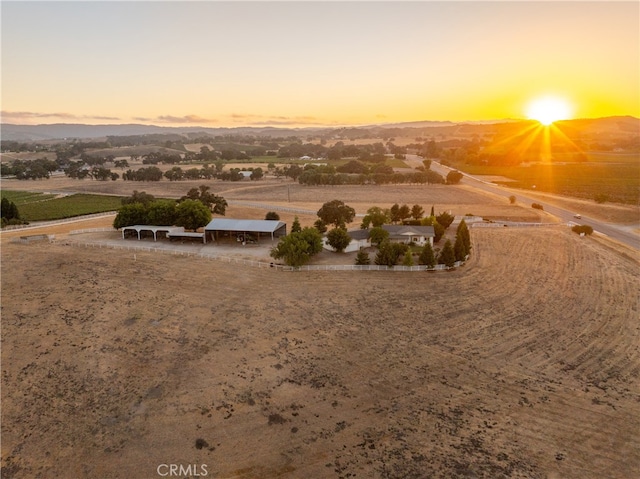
{"type": "Point", "coordinates": [243, 228]}
{"type": "Point", "coordinates": [154, 229]}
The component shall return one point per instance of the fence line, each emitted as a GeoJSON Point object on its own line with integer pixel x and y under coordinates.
{"type": "Point", "coordinates": [260, 264]}
{"type": "Point", "coordinates": [55, 222]}
{"type": "Point", "coordinates": [502, 224]}
{"type": "Point", "coordinates": [93, 230]}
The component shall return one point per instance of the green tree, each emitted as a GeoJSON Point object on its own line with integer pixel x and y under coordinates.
{"type": "Point", "coordinates": [272, 215]}
{"type": "Point", "coordinates": [362, 258]}
{"type": "Point", "coordinates": [295, 227]}
{"type": "Point", "coordinates": [582, 229]}
{"type": "Point", "coordinates": [458, 249]}
{"type": "Point", "coordinates": [257, 174]}
{"type": "Point", "coordinates": [131, 214]}
{"type": "Point", "coordinates": [336, 213]}
{"type": "Point", "coordinates": [427, 256]}
{"type": "Point", "coordinates": [338, 239]}
{"type": "Point", "coordinates": [404, 212]}
{"type": "Point", "coordinates": [389, 253]}
{"type": "Point", "coordinates": [375, 217]}
{"type": "Point", "coordinates": [454, 177]}
{"type": "Point", "coordinates": [216, 204]}
{"type": "Point", "coordinates": [297, 249]}
{"type": "Point", "coordinates": [447, 256]}
{"type": "Point", "coordinates": [192, 214]}
{"type": "Point", "coordinates": [408, 259]}
{"type": "Point", "coordinates": [9, 210]}
{"type": "Point", "coordinates": [378, 234]}
{"type": "Point", "coordinates": [465, 238]}
{"type": "Point", "coordinates": [138, 197]}
{"type": "Point", "coordinates": [162, 213]}
{"type": "Point", "coordinates": [417, 212]}
{"type": "Point", "coordinates": [394, 213]}
{"type": "Point", "coordinates": [445, 219]}
{"type": "Point", "coordinates": [321, 226]}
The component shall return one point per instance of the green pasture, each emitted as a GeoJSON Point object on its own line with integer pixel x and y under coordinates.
{"type": "Point", "coordinates": [616, 176]}
{"type": "Point", "coordinates": [44, 207]}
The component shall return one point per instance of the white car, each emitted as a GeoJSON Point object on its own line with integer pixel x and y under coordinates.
{"type": "Point", "coordinates": [577, 216]}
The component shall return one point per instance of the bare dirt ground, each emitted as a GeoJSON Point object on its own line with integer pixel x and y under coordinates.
{"type": "Point", "coordinates": [522, 364]}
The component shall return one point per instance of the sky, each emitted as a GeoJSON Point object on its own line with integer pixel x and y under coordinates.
{"type": "Point", "coordinates": [303, 63]}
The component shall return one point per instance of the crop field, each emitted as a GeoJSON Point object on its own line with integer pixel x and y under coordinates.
{"type": "Point", "coordinates": [522, 364]}
{"type": "Point", "coordinates": [616, 177]}
{"type": "Point", "coordinates": [48, 207]}
{"type": "Point", "coordinates": [24, 197]}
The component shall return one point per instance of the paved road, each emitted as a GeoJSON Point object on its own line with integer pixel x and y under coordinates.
{"type": "Point", "coordinates": [618, 232]}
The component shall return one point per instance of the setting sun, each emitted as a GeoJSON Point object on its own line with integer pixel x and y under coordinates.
{"type": "Point", "coordinates": [548, 109]}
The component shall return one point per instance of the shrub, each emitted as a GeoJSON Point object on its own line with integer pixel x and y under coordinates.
{"type": "Point", "coordinates": [582, 229]}
{"type": "Point", "coordinates": [362, 258]}
{"type": "Point", "coordinates": [601, 198]}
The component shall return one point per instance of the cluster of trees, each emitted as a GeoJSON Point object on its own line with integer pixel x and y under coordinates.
{"type": "Point", "coordinates": [79, 170]}
{"type": "Point", "coordinates": [192, 211]}
{"type": "Point", "coordinates": [403, 214]}
{"type": "Point", "coordinates": [298, 247]}
{"type": "Point", "coordinates": [149, 173]}
{"type": "Point", "coordinates": [384, 176]}
{"type": "Point", "coordinates": [389, 253]}
{"type": "Point", "coordinates": [37, 169]}
{"type": "Point", "coordinates": [9, 213]}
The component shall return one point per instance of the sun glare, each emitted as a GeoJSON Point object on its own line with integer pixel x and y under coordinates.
{"type": "Point", "coordinates": [546, 110]}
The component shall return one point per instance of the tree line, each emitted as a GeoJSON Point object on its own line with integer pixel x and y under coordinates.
{"type": "Point", "coordinates": [191, 211]}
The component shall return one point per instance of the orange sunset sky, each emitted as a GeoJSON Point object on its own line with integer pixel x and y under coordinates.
{"type": "Point", "coordinates": [314, 63]}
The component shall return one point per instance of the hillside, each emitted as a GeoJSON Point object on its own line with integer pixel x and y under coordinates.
{"type": "Point", "coordinates": [611, 125]}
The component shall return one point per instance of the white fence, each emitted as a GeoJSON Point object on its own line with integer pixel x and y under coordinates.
{"type": "Point", "coordinates": [55, 222]}
{"type": "Point", "coordinates": [93, 230]}
{"type": "Point", "coordinates": [258, 264]}
{"type": "Point", "coordinates": [502, 224]}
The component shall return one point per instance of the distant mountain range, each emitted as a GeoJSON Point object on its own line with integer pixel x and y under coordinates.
{"type": "Point", "coordinates": [58, 131]}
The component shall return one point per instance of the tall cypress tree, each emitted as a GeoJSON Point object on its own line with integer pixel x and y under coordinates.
{"type": "Point", "coordinates": [463, 233]}
{"type": "Point", "coordinates": [447, 255]}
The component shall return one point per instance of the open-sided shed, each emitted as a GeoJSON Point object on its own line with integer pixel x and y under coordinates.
{"type": "Point", "coordinates": [244, 229]}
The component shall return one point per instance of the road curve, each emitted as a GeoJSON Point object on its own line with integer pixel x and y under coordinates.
{"type": "Point", "coordinates": [614, 231]}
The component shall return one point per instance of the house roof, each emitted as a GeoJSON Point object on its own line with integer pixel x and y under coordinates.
{"type": "Point", "coordinates": [409, 230]}
{"type": "Point", "coordinates": [228, 224]}
{"type": "Point", "coordinates": [396, 231]}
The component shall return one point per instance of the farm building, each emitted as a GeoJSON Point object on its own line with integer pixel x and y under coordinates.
{"type": "Point", "coordinates": [171, 232]}
{"type": "Point", "coordinates": [244, 230]}
{"type": "Point", "coordinates": [417, 235]}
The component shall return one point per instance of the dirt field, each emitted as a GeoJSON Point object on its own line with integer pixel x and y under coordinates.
{"type": "Point", "coordinates": [522, 364]}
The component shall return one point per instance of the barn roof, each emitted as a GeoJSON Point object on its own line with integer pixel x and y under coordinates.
{"type": "Point", "coordinates": [228, 224]}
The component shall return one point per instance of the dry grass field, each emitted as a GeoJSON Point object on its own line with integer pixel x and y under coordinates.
{"type": "Point", "coordinates": [460, 199]}
{"type": "Point", "coordinates": [522, 364]}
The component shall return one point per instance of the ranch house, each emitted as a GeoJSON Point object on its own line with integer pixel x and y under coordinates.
{"type": "Point", "coordinates": [417, 235]}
